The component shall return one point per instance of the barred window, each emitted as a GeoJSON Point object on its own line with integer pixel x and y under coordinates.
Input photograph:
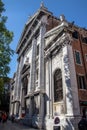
{"type": "Point", "coordinates": [58, 91]}
{"type": "Point", "coordinates": [78, 57]}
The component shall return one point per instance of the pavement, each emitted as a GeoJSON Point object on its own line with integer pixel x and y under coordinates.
{"type": "Point", "coordinates": [14, 126]}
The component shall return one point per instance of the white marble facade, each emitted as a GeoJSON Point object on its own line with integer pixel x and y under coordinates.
{"type": "Point", "coordinates": [38, 60]}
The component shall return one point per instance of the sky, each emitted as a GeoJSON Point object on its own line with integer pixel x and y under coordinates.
{"type": "Point", "coordinates": [18, 12]}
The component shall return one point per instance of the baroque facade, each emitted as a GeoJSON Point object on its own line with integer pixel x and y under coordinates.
{"type": "Point", "coordinates": [51, 77]}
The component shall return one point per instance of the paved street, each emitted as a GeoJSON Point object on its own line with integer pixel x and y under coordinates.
{"type": "Point", "coordinates": [14, 126]}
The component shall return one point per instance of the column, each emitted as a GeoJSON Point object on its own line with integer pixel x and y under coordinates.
{"type": "Point", "coordinates": [30, 107]}
{"type": "Point", "coordinates": [20, 82]}
{"type": "Point", "coordinates": [48, 88]}
{"type": "Point", "coordinates": [23, 103]}
{"type": "Point", "coordinates": [41, 110]}
{"type": "Point", "coordinates": [51, 87]}
{"type": "Point", "coordinates": [21, 100]}
{"type": "Point", "coordinates": [18, 78]}
{"type": "Point", "coordinates": [41, 56]}
{"type": "Point", "coordinates": [31, 84]}
{"type": "Point", "coordinates": [73, 80]}
{"type": "Point", "coordinates": [67, 82]}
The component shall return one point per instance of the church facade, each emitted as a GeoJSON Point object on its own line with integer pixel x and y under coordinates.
{"type": "Point", "coordinates": [51, 78]}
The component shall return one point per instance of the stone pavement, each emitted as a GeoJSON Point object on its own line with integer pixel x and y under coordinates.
{"type": "Point", "coordinates": [14, 126]}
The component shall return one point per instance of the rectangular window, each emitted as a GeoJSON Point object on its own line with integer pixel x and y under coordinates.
{"type": "Point", "coordinates": [75, 35]}
{"type": "Point", "coordinates": [77, 57]}
{"type": "Point", "coordinates": [84, 40]}
{"type": "Point", "coordinates": [81, 82]}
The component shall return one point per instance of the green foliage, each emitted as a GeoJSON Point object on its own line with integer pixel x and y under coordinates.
{"type": "Point", "coordinates": [1, 85]}
{"type": "Point", "coordinates": [3, 81]}
{"type": "Point", "coordinates": [6, 37]}
{"type": "Point", "coordinates": [4, 93]}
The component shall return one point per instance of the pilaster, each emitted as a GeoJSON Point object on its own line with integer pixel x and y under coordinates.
{"type": "Point", "coordinates": [47, 89]}
{"type": "Point", "coordinates": [41, 111]}
{"type": "Point", "coordinates": [41, 56]}
{"type": "Point", "coordinates": [73, 80]}
{"type": "Point", "coordinates": [67, 82]}
{"type": "Point", "coordinates": [18, 83]}
{"type": "Point", "coordinates": [49, 94]}
{"type": "Point", "coordinates": [31, 85]}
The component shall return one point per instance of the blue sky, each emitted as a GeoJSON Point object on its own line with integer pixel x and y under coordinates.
{"type": "Point", "coordinates": [18, 12]}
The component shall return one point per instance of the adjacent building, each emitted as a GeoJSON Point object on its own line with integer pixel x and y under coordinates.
{"type": "Point", "coordinates": [51, 77]}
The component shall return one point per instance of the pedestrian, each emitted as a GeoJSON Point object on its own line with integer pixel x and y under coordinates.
{"type": "Point", "coordinates": [4, 117]}
{"type": "Point", "coordinates": [82, 125]}
{"type": "Point", "coordinates": [12, 118]}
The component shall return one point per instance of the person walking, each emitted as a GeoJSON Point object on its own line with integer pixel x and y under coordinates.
{"type": "Point", "coordinates": [12, 118]}
{"type": "Point", "coordinates": [4, 117]}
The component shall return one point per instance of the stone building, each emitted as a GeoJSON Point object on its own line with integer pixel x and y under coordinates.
{"type": "Point", "coordinates": [51, 77]}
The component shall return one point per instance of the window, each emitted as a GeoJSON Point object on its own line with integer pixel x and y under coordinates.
{"type": "Point", "coordinates": [84, 40]}
{"type": "Point", "coordinates": [58, 91]}
{"type": "Point", "coordinates": [25, 85]}
{"type": "Point", "coordinates": [75, 34]}
{"type": "Point", "coordinates": [77, 57]}
{"type": "Point", "coordinates": [81, 82]}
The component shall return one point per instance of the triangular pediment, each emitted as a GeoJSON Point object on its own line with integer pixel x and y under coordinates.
{"type": "Point", "coordinates": [25, 68]}
{"type": "Point", "coordinates": [52, 36]}
{"type": "Point", "coordinates": [32, 21]}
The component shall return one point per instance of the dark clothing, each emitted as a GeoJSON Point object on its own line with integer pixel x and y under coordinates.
{"type": "Point", "coordinates": [82, 125]}
{"type": "Point", "coordinates": [4, 117]}
{"type": "Point", "coordinates": [12, 118]}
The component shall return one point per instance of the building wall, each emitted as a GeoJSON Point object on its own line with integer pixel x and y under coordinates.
{"type": "Point", "coordinates": [81, 69]}
{"type": "Point", "coordinates": [34, 91]}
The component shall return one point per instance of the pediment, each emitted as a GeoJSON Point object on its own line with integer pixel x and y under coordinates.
{"type": "Point", "coordinates": [33, 20]}
{"type": "Point", "coordinates": [25, 68]}
{"type": "Point", "coordinates": [52, 36]}
{"type": "Point", "coordinates": [49, 39]}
